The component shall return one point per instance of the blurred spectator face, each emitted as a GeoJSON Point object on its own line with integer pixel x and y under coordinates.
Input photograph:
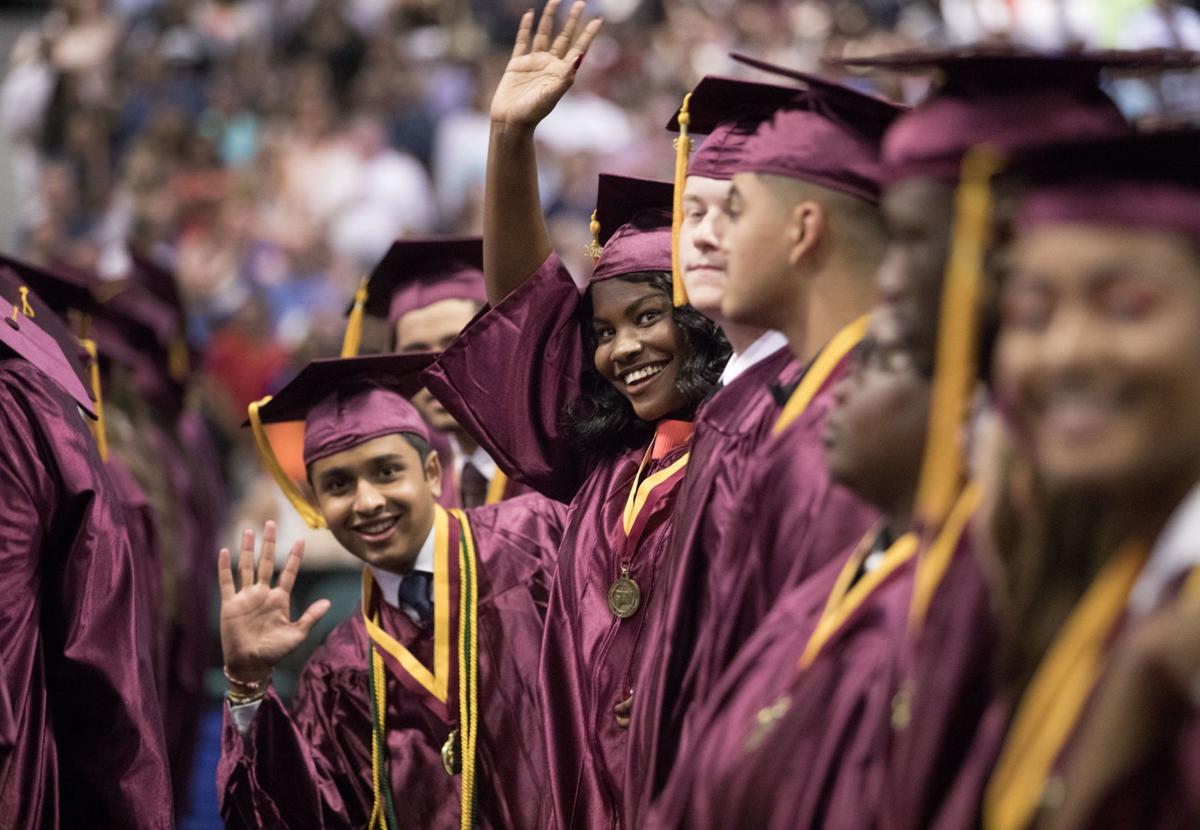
{"type": "Point", "coordinates": [433, 328]}
{"type": "Point", "coordinates": [918, 214]}
{"type": "Point", "coordinates": [1097, 356]}
{"type": "Point", "coordinates": [700, 252]}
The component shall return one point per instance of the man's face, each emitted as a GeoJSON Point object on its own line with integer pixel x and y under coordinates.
{"type": "Point", "coordinates": [378, 500]}
{"type": "Point", "coordinates": [433, 328]}
{"type": "Point", "coordinates": [919, 216]}
{"type": "Point", "coordinates": [762, 287]}
{"type": "Point", "coordinates": [700, 251]}
{"type": "Point", "coordinates": [1097, 354]}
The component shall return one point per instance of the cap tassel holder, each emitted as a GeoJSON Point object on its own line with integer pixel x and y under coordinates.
{"type": "Point", "coordinates": [312, 517]}
{"type": "Point", "coordinates": [958, 334]}
{"type": "Point", "coordinates": [352, 341]}
{"type": "Point", "coordinates": [594, 249]}
{"type": "Point", "coordinates": [683, 150]}
{"type": "Point", "coordinates": [98, 428]}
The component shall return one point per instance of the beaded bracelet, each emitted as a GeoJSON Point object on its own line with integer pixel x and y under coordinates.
{"type": "Point", "coordinates": [252, 685]}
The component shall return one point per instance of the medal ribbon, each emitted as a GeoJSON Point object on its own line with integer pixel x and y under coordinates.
{"type": "Point", "coordinates": [814, 379]}
{"type": "Point", "coordinates": [847, 595]}
{"type": "Point", "coordinates": [932, 565]}
{"type": "Point", "coordinates": [1055, 698]}
{"type": "Point", "coordinates": [383, 810]}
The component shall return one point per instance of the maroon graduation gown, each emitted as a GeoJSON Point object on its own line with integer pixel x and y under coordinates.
{"type": "Point", "coordinates": [311, 767]}
{"type": "Point", "coordinates": [729, 427]}
{"type": "Point", "coordinates": [790, 519]}
{"type": "Point", "coordinates": [949, 679]}
{"type": "Point", "coordinates": [89, 749]}
{"type": "Point", "coordinates": [528, 353]}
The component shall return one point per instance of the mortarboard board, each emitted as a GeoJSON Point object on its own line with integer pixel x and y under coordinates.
{"type": "Point", "coordinates": [1148, 180]}
{"type": "Point", "coordinates": [727, 111]}
{"type": "Point", "coordinates": [35, 332]}
{"type": "Point", "coordinates": [414, 274]}
{"type": "Point", "coordinates": [344, 402]}
{"type": "Point", "coordinates": [631, 227]}
{"type": "Point", "coordinates": [1005, 97]}
{"type": "Point", "coordinates": [828, 135]}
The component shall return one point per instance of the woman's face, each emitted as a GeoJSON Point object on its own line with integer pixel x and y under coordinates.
{"type": "Point", "coordinates": [875, 434]}
{"type": "Point", "coordinates": [1099, 352]}
{"type": "Point", "coordinates": [638, 346]}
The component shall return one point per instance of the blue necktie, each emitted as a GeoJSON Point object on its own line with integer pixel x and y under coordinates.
{"type": "Point", "coordinates": [415, 593]}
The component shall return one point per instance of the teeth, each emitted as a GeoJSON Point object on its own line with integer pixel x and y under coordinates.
{"type": "Point", "coordinates": [642, 374]}
{"type": "Point", "coordinates": [376, 527]}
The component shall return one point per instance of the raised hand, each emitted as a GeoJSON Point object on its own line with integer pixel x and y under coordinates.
{"type": "Point", "coordinates": [257, 630]}
{"type": "Point", "coordinates": [540, 71]}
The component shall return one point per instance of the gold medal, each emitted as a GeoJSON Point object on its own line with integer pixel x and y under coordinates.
{"type": "Point", "coordinates": [450, 760]}
{"type": "Point", "coordinates": [624, 595]}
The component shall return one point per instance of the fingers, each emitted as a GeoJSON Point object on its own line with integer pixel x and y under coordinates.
{"type": "Point", "coordinates": [266, 557]}
{"type": "Point", "coordinates": [292, 567]}
{"type": "Point", "coordinates": [313, 615]}
{"type": "Point", "coordinates": [521, 47]}
{"type": "Point", "coordinates": [568, 33]}
{"type": "Point", "coordinates": [584, 41]}
{"type": "Point", "coordinates": [225, 575]}
{"type": "Point", "coordinates": [541, 40]}
{"type": "Point", "coordinates": [246, 559]}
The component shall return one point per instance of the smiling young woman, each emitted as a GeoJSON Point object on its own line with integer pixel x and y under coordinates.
{"type": "Point", "coordinates": [588, 397]}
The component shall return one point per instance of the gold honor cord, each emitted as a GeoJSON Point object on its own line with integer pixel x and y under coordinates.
{"type": "Point", "coordinates": [847, 595]}
{"type": "Point", "coordinates": [468, 669]}
{"type": "Point", "coordinates": [495, 489]}
{"type": "Point", "coordinates": [943, 466]}
{"type": "Point", "coordinates": [352, 340]}
{"type": "Point", "coordinates": [814, 379]}
{"type": "Point", "coordinates": [1052, 703]}
{"type": "Point", "coordinates": [312, 517]}
{"type": "Point", "coordinates": [932, 565]}
{"type": "Point", "coordinates": [683, 149]}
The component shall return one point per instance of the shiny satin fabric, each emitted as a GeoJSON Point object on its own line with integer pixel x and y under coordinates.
{"type": "Point", "coordinates": [311, 767]}
{"type": "Point", "coordinates": [790, 519]}
{"type": "Point", "coordinates": [528, 353]}
{"type": "Point", "coordinates": [819, 759]}
{"type": "Point", "coordinates": [71, 634]}
{"type": "Point", "coordinates": [729, 427]}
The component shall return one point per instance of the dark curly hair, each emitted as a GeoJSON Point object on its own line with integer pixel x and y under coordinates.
{"type": "Point", "coordinates": [601, 421]}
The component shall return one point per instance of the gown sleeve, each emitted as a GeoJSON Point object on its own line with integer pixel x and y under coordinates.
{"type": "Point", "coordinates": [510, 374]}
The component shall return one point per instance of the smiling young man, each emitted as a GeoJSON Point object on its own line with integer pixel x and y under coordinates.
{"type": "Point", "coordinates": [428, 290]}
{"type": "Point", "coordinates": [421, 705]}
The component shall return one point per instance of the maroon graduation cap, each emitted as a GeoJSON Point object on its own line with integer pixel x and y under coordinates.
{"type": "Point", "coordinates": [1143, 180]}
{"type": "Point", "coordinates": [1004, 97]}
{"type": "Point", "coordinates": [631, 227]}
{"type": "Point", "coordinates": [828, 135]}
{"type": "Point", "coordinates": [344, 402]}
{"type": "Point", "coordinates": [416, 273]}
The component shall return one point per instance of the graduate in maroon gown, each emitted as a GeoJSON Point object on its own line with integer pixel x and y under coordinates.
{"type": "Point", "coordinates": [948, 669]}
{"type": "Point", "coordinates": [728, 426]}
{"type": "Point", "coordinates": [589, 399]}
{"type": "Point", "coordinates": [422, 706]}
{"type": "Point", "coordinates": [802, 236]}
{"type": "Point", "coordinates": [428, 290]}
{"type": "Point", "coordinates": [88, 748]}
{"type": "Point", "coordinates": [1095, 364]}
{"type": "Point", "coordinates": [797, 733]}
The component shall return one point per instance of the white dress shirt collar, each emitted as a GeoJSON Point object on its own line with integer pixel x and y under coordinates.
{"type": "Point", "coordinates": [766, 345]}
{"type": "Point", "coordinates": [389, 583]}
{"type": "Point", "coordinates": [1175, 553]}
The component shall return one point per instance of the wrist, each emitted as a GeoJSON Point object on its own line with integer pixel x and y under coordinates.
{"type": "Point", "coordinates": [506, 130]}
{"type": "Point", "coordinates": [247, 680]}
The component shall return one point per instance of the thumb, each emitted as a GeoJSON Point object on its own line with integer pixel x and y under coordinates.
{"type": "Point", "coordinates": [313, 615]}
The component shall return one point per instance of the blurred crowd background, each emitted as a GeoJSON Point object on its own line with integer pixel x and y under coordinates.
{"type": "Point", "coordinates": [269, 151]}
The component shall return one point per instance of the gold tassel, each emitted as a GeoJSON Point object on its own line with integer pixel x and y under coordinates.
{"type": "Point", "coordinates": [312, 517]}
{"type": "Point", "coordinates": [593, 248]}
{"type": "Point", "coordinates": [352, 341]}
{"type": "Point", "coordinates": [958, 334]}
{"type": "Point", "coordinates": [683, 149]}
{"type": "Point", "coordinates": [178, 359]}
{"type": "Point", "coordinates": [26, 308]}
{"type": "Point", "coordinates": [98, 429]}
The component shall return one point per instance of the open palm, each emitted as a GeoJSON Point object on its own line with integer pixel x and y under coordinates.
{"type": "Point", "coordinates": [540, 71]}
{"type": "Point", "coordinates": [257, 630]}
